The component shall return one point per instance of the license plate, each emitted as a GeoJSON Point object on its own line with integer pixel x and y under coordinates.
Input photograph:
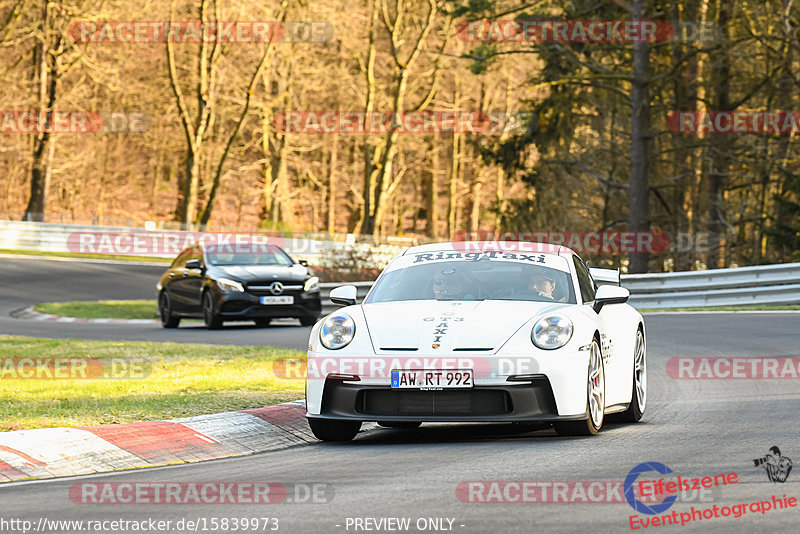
{"type": "Point", "coordinates": [432, 379]}
{"type": "Point", "coordinates": [287, 299]}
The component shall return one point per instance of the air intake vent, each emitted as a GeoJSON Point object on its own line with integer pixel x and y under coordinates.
{"type": "Point", "coordinates": [453, 402]}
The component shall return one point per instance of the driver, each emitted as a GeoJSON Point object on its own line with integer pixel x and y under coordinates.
{"type": "Point", "coordinates": [449, 285]}
{"type": "Point", "coordinates": [542, 284]}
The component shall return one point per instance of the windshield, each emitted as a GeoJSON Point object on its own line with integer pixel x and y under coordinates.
{"type": "Point", "coordinates": [261, 255]}
{"type": "Point", "coordinates": [474, 280]}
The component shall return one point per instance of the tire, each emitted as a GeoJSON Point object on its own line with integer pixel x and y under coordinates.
{"type": "Point", "coordinates": [168, 320]}
{"type": "Point", "coordinates": [403, 424]}
{"type": "Point", "coordinates": [262, 322]}
{"type": "Point", "coordinates": [639, 389]}
{"type": "Point", "coordinates": [212, 319]}
{"type": "Point", "coordinates": [334, 430]}
{"type": "Point", "coordinates": [308, 321]}
{"type": "Point", "coordinates": [595, 399]}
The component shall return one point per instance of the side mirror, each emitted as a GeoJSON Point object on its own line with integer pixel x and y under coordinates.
{"type": "Point", "coordinates": [304, 263]}
{"type": "Point", "coordinates": [344, 295]}
{"type": "Point", "coordinates": [610, 295]}
{"type": "Point", "coordinates": [193, 264]}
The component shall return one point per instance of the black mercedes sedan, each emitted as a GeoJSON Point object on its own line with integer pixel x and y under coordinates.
{"type": "Point", "coordinates": [219, 283]}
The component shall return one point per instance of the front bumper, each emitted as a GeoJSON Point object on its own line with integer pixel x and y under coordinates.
{"type": "Point", "coordinates": [529, 401]}
{"type": "Point", "coordinates": [248, 306]}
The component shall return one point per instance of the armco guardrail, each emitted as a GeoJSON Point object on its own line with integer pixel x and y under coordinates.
{"type": "Point", "coordinates": [745, 296]}
{"type": "Point", "coordinates": [764, 275]}
{"type": "Point", "coordinates": [761, 285]}
{"type": "Point", "coordinates": [51, 237]}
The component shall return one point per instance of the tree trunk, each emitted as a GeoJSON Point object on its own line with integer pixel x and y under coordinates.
{"type": "Point", "coordinates": [452, 204]}
{"type": "Point", "coordinates": [475, 201]}
{"type": "Point", "coordinates": [281, 211]}
{"type": "Point", "coordinates": [356, 217]}
{"type": "Point", "coordinates": [332, 171]}
{"type": "Point", "coordinates": [499, 199]}
{"type": "Point", "coordinates": [432, 192]}
{"type": "Point", "coordinates": [783, 217]}
{"type": "Point", "coordinates": [366, 222]}
{"type": "Point", "coordinates": [685, 98]}
{"type": "Point", "coordinates": [640, 141]}
{"type": "Point", "coordinates": [47, 56]}
{"type": "Point", "coordinates": [719, 148]}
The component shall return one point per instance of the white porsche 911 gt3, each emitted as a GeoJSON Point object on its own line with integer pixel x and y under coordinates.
{"type": "Point", "coordinates": [478, 332]}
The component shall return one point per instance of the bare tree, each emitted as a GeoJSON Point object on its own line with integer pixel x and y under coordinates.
{"type": "Point", "coordinates": [379, 180]}
{"type": "Point", "coordinates": [251, 87]}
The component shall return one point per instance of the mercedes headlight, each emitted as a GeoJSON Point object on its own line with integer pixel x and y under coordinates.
{"type": "Point", "coordinates": [230, 286]}
{"type": "Point", "coordinates": [312, 284]}
{"type": "Point", "coordinates": [337, 331]}
{"type": "Point", "coordinates": [551, 332]}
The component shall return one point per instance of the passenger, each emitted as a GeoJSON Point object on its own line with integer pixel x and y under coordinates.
{"type": "Point", "coordinates": [542, 285]}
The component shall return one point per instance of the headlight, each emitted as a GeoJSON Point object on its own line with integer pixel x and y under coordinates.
{"type": "Point", "coordinates": [337, 331]}
{"type": "Point", "coordinates": [312, 284]}
{"type": "Point", "coordinates": [229, 286]}
{"type": "Point", "coordinates": [551, 332]}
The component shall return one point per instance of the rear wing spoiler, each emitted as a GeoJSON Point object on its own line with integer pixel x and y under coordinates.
{"type": "Point", "coordinates": [605, 277]}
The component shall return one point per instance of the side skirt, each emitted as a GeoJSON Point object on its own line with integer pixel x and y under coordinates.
{"type": "Point", "coordinates": [616, 408]}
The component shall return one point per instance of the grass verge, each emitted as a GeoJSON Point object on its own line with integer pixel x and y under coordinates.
{"type": "Point", "coordinates": [183, 380]}
{"type": "Point", "coordinates": [117, 257]}
{"type": "Point", "coordinates": [723, 308]}
{"type": "Point", "coordinates": [102, 309]}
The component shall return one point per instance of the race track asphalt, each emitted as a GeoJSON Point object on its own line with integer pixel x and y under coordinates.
{"type": "Point", "coordinates": [696, 427]}
{"type": "Point", "coordinates": [26, 282]}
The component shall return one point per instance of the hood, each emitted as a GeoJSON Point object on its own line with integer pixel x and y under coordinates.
{"type": "Point", "coordinates": [269, 273]}
{"type": "Point", "coordinates": [468, 325]}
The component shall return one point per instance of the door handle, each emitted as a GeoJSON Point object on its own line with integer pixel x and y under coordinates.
{"type": "Point", "coordinates": [172, 275]}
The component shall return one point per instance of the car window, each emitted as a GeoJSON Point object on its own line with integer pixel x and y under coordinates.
{"type": "Point", "coordinates": [587, 286]}
{"type": "Point", "coordinates": [474, 280]}
{"type": "Point", "coordinates": [247, 255]}
{"type": "Point", "coordinates": [180, 261]}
